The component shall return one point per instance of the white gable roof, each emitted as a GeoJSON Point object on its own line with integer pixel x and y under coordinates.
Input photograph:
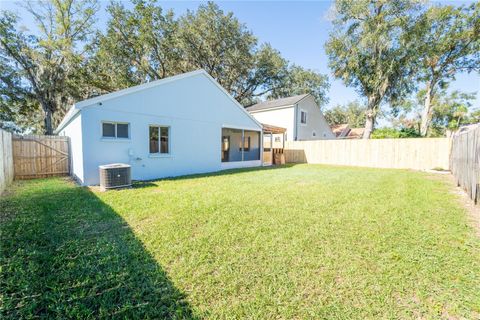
{"type": "Point", "coordinates": [77, 107]}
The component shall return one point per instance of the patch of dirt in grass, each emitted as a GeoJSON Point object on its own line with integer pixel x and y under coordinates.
{"type": "Point", "coordinates": [472, 209]}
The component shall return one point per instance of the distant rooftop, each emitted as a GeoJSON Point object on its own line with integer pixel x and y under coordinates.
{"type": "Point", "coordinates": [268, 128]}
{"type": "Point", "coordinates": [277, 103]}
{"type": "Point", "coordinates": [340, 130]}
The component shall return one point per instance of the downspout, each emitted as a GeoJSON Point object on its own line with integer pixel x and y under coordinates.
{"type": "Point", "coordinates": [295, 116]}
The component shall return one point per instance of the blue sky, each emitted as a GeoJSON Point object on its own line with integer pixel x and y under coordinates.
{"type": "Point", "coordinates": [298, 29]}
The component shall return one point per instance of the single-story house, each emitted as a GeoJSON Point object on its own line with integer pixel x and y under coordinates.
{"type": "Point", "coordinates": [180, 125]}
{"type": "Point", "coordinates": [299, 115]}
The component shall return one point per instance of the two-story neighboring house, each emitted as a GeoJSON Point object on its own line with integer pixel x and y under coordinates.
{"type": "Point", "coordinates": [300, 115]}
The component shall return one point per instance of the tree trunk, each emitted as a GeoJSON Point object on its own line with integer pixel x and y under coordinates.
{"type": "Point", "coordinates": [427, 110]}
{"type": "Point", "coordinates": [369, 122]}
{"type": "Point", "coordinates": [48, 119]}
{"type": "Point", "coordinates": [370, 116]}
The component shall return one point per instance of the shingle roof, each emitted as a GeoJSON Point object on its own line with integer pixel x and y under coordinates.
{"type": "Point", "coordinates": [272, 129]}
{"type": "Point", "coordinates": [339, 129]}
{"type": "Point", "coordinates": [355, 133]}
{"type": "Point", "coordinates": [277, 103]}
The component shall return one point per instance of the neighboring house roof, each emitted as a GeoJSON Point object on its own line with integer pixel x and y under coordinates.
{"type": "Point", "coordinates": [85, 103]}
{"type": "Point", "coordinates": [271, 104]}
{"type": "Point", "coordinates": [340, 130]}
{"type": "Point", "coordinates": [273, 129]}
{"type": "Point", "coordinates": [343, 131]}
{"type": "Point", "coordinates": [355, 133]}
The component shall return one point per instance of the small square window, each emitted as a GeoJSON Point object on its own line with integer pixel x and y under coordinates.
{"type": "Point", "coordinates": [108, 130]}
{"type": "Point", "coordinates": [115, 130]}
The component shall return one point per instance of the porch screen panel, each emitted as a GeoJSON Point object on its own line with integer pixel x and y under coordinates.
{"type": "Point", "coordinates": [231, 145]}
{"type": "Point", "coordinates": [252, 139]}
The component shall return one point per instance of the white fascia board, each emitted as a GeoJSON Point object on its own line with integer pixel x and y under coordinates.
{"type": "Point", "coordinates": [271, 109]}
{"type": "Point", "coordinates": [228, 126]}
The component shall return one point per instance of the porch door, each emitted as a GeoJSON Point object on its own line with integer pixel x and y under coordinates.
{"type": "Point", "coordinates": [267, 149]}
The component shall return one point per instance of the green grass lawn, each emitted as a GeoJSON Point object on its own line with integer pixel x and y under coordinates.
{"type": "Point", "coordinates": [300, 241]}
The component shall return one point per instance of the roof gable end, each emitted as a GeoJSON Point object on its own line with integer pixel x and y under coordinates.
{"type": "Point", "coordinates": [278, 103]}
{"type": "Point", "coordinates": [77, 107]}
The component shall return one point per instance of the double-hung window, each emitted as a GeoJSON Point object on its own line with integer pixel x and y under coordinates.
{"type": "Point", "coordinates": [159, 139]}
{"type": "Point", "coordinates": [115, 130]}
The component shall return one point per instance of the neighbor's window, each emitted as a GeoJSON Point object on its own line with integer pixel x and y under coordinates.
{"type": "Point", "coordinates": [277, 139]}
{"type": "Point", "coordinates": [159, 139]}
{"type": "Point", "coordinates": [115, 130]}
{"type": "Point", "coordinates": [303, 117]}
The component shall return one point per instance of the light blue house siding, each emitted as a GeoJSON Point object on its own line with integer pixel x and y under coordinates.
{"type": "Point", "coordinates": [192, 106]}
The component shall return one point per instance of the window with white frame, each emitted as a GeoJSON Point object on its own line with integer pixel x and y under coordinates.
{"type": "Point", "coordinates": [119, 130]}
{"type": "Point", "coordinates": [303, 117]}
{"type": "Point", "coordinates": [159, 137]}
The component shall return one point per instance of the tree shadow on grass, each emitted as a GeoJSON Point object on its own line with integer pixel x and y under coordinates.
{"type": "Point", "coordinates": [66, 254]}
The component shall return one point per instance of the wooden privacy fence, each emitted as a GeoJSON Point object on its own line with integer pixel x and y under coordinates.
{"type": "Point", "coordinates": [418, 154]}
{"type": "Point", "coordinates": [6, 160]}
{"type": "Point", "coordinates": [40, 156]}
{"type": "Point", "coordinates": [465, 162]}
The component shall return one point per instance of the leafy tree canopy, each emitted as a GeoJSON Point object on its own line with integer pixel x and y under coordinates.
{"type": "Point", "coordinates": [353, 113]}
{"type": "Point", "coordinates": [41, 69]}
{"type": "Point", "coordinates": [146, 43]}
{"type": "Point", "coordinates": [450, 110]}
{"type": "Point", "coordinates": [299, 81]}
{"type": "Point", "coordinates": [392, 133]}
{"type": "Point", "coordinates": [371, 50]}
{"type": "Point", "coordinates": [448, 43]}
{"type": "Point", "coordinates": [43, 73]}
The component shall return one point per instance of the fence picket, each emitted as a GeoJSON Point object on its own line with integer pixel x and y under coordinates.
{"type": "Point", "coordinates": [465, 162]}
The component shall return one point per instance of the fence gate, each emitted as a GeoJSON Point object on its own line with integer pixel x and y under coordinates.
{"type": "Point", "coordinates": [40, 156]}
